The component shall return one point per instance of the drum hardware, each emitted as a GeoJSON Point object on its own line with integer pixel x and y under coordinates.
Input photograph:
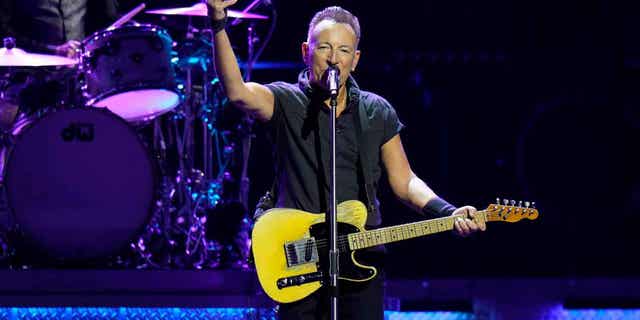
{"type": "Point", "coordinates": [128, 70]}
{"type": "Point", "coordinates": [7, 252]}
{"type": "Point", "coordinates": [155, 247]}
{"type": "Point", "coordinates": [187, 147]}
{"type": "Point", "coordinates": [11, 56]}
{"type": "Point", "coordinates": [197, 189]}
{"type": "Point", "coordinates": [30, 82]}
{"type": "Point", "coordinates": [200, 10]}
{"type": "Point", "coordinates": [8, 103]}
{"type": "Point", "coordinates": [175, 236]}
{"type": "Point", "coordinates": [231, 248]}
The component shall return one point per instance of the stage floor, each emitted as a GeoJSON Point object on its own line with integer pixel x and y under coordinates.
{"type": "Point", "coordinates": [239, 288]}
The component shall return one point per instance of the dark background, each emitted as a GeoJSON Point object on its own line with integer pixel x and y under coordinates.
{"type": "Point", "coordinates": [525, 100]}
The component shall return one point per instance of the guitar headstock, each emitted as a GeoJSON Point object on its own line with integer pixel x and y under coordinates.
{"type": "Point", "coordinates": [510, 211]}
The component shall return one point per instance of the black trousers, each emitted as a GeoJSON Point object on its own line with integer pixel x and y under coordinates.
{"type": "Point", "coordinates": [359, 301]}
{"type": "Point", "coordinates": [355, 300]}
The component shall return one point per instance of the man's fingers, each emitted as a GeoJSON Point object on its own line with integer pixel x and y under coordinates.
{"type": "Point", "coordinates": [228, 3]}
{"type": "Point", "coordinates": [482, 226]}
{"type": "Point", "coordinates": [471, 225]}
{"type": "Point", "coordinates": [461, 227]}
{"type": "Point", "coordinates": [221, 4]}
{"type": "Point", "coordinates": [478, 223]}
{"type": "Point", "coordinates": [466, 222]}
{"type": "Point", "coordinates": [218, 7]}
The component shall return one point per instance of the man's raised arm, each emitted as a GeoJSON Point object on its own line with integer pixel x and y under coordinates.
{"type": "Point", "coordinates": [249, 96]}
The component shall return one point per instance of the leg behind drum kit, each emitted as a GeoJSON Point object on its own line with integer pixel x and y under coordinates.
{"type": "Point", "coordinates": [128, 168]}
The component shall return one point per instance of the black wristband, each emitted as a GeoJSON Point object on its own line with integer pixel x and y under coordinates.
{"type": "Point", "coordinates": [217, 25]}
{"type": "Point", "coordinates": [438, 207]}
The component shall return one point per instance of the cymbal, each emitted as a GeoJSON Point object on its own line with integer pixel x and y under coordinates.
{"type": "Point", "coordinates": [200, 10]}
{"type": "Point", "coordinates": [16, 57]}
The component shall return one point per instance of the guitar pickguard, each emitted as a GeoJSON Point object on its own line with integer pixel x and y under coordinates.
{"type": "Point", "coordinates": [350, 268]}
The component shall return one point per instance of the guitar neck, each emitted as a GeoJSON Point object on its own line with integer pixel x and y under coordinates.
{"type": "Point", "coordinates": [371, 238]}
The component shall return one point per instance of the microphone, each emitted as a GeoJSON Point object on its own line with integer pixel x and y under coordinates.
{"type": "Point", "coordinates": [333, 80]}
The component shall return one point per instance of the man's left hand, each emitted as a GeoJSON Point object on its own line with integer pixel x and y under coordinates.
{"type": "Point", "coordinates": [465, 224]}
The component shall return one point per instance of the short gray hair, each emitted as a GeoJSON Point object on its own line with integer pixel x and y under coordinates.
{"type": "Point", "coordinates": [338, 15]}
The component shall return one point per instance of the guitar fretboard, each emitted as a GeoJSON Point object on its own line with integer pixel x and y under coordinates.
{"type": "Point", "coordinates": [371, 238]}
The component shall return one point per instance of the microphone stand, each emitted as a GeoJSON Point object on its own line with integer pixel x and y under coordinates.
{"type": "Point", "coordinates": [332, 217]}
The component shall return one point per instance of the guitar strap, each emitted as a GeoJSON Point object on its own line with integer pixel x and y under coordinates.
{"type": "Point", "coordinates": [268, 200]}
{"type": "Point", "coordinates": [364, 161]}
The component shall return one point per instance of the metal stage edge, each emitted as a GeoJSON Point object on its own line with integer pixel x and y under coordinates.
{"type": "Point", "coordinates": [239, 288]}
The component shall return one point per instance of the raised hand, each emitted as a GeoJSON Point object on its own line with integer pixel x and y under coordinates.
{"type": "Point", "coordinates": [218, 7]}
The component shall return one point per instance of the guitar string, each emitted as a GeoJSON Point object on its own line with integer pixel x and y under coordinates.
{"type": "Point", "coordinates": [342, 240]}
{"type": "Point", "coordinates": [341, 243]}
{"type": "Point", "coordinates": [343, 246]}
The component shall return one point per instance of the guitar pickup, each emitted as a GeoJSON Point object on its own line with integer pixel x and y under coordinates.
{"type": "Point", "coordinates": [299, 280]}
{"type": "Point", "coordinates": [301, 252]}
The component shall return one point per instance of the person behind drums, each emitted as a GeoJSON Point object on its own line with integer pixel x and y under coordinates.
{"type": "Point", "coordinates": [50, 27]}
{"type": "Point", "coordinates": [54, 26]}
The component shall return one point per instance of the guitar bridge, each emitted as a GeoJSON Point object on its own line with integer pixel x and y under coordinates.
{"type": "Point", "coordinates": [301, 252]}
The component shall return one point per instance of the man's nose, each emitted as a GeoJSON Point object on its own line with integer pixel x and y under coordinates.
{"type": "Point", "coordinates": [333, 58]}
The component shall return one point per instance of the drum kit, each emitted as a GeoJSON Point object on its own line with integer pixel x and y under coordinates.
{"type": "Point", "coordinates": [122, 162]}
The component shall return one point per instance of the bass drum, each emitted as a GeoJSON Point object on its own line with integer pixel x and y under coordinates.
{"type": "Point", "coordinates": [80, 185]}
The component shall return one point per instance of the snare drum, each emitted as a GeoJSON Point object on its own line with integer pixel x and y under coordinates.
{"type": "Point", "coordinates": [129, 71]}
{"type": "Point", "coordinates": [80, 184]}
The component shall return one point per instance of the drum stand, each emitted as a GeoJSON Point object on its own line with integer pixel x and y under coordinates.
{"type": "Point", "coordinates": [155, 246]}
{"type": "Point", "coordinates": [179, 222]}
{"type": "Point", "coordinates": [191, 195]}
{"type": "Point", "coordinates": [213, 203]}
{"type": "Point", "coordinates": [9, 112]}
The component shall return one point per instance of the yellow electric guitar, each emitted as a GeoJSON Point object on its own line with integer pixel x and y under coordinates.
{"type": "Point", "coordinates": [289, 246]}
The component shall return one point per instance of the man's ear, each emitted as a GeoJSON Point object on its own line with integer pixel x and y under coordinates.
{"type": "Point", "coordinates": [356, 58]}
{"type": "Point", "coordinates": [305, 53]}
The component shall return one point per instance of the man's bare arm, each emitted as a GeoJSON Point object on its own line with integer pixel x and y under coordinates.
{"type": "Point", "coordinates": [251, 97]}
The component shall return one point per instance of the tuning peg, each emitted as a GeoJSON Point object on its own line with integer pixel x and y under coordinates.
{"type": "Point", "coordinates": [520, 203]}
{"type": "Point", "coordinates": [527, 204]}
{"type": "Point", "coordinates": [513, 203]}
{"type": "Point", "coordinates": [533, 205]}
{"type": "Point", "coordinates": [498, 201]}
{"type": "Point", "coordinates": [505, 202]}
